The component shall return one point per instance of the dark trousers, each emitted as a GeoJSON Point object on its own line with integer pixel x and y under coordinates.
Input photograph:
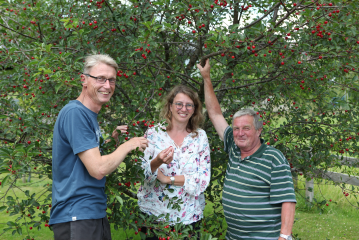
{"type": "Point", "coordinates": [196, 226]}
{"type": "Point", "coordinates": [89, 229]}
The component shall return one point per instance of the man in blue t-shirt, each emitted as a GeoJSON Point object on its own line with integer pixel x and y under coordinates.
{"type": "Point", "coordinates": [78, 197]}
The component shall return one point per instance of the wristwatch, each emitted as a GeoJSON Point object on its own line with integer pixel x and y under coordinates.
{"type": "Point", "coordinates": [287, 237]}
{"type": "Point", "coordinates": [172, 180]}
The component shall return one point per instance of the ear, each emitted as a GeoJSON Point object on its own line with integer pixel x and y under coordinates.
{"type": "Point", "coordinates": [83, 80]}
{"type": "Point", "coordinates": [170, 108]}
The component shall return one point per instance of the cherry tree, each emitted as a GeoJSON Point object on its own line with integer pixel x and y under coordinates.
{"type": "Point", "coordinates": [294, 62]}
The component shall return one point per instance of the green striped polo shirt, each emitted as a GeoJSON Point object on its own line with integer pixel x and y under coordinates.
{"type": "Point", "coordinates": [254, 190]}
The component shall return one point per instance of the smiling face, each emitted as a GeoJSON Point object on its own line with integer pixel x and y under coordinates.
{"type": "Point", "coordinates": [181, 115]}
{"type": "Point", "coordinates": [246, 137]}
{"type": "Point", "coordinates": [98, 94]}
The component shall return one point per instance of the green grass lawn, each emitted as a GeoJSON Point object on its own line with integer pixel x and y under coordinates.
{"type": "Point", "coordinates": [340, 220]}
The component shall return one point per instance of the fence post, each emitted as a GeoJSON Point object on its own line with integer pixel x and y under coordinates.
{"type": "Point", "coordinates": [309, 195]}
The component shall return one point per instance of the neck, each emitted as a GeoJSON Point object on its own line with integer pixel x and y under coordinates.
{"type": "Point", "coordinates": [249, 152]}
{"type": "Point", "coordinates": [87, 102]}
{"type": "Point", "coordinates": [178, 127]}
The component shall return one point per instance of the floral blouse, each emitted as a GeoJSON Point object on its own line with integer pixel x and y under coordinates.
{"type": "Point", "coordinates": [191, 159]}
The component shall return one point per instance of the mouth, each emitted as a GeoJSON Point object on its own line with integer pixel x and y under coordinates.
{"type": "Point", "coordinates": [183, 114]}
{"type": "Point", "coordinates": [105, 93]}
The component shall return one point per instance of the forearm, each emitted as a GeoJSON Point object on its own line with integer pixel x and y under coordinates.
{"type": "Point", "coordinates": [155, 163]}
{"type": "Point", "coordinates": [110, 162]}
{"type": "Point", "coordinates": [212, 104]}
{"type": "Point", "coordinates": [288, 210]}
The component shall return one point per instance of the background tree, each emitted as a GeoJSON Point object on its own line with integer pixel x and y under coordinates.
{"type": "Point", "coordinates": [295, 62]}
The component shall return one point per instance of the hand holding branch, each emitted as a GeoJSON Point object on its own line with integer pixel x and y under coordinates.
{"type": "Point", "coordinates": [205, 70]}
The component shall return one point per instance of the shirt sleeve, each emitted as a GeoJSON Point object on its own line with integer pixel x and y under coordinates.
{"type": "Point", "coordinates": [281, 189]}
{"type": "Point", "coordinates": [79, 131]}
{"type": "Point", "coordinates": [149, 155]}
{"type": "Point", "coordinates": [228, 138]}
{"type": "Point", "coordinates": [197, 181]}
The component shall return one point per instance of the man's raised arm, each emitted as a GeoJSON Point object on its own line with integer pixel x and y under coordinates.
{"type": "Point", "coordinates": [212, 104]}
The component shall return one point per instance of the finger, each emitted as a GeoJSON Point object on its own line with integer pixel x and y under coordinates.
{"type": "Point", "coordinates": [168, 159]}
{"type": "Point", "coordinates": [166, 151]}
{"type": "Point", "coordinates": [123, 127]}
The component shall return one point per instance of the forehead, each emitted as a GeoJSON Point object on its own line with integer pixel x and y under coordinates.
{"type": "Point", "coordinates": [181, 97]}
{"type": "Point", "coordinates": [102, 69]}
{"type": "Point", "coordinates": [243, 121]}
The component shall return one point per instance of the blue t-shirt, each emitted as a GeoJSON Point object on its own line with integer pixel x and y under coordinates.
{"type": "Point", "coordinates": [76, 195]}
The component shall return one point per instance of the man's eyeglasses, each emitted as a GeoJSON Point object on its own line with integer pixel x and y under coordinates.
{"type": "Point", "coordinates": [179, 105]}
{"type": "Point", "coordinates": [102, 80]}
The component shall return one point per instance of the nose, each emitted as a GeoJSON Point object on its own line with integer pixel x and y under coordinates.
{"type": "Point", "coordinates": [107, 84]}
{"type": "Point", "coordinates": [240, 132]}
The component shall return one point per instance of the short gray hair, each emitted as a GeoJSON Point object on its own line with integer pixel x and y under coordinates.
{"type": "Point", "coordinates": [247, 111]}
{"type": "Point", "coordinates": [92, 60]}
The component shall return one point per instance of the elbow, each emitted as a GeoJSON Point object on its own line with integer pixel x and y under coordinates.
{"type": "Point", "coordinates": [98, 174]}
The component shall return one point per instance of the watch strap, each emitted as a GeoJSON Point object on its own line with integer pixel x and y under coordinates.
{"type": "Point", "coordinates": [284, 236]}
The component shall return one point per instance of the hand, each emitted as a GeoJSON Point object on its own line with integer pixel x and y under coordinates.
{"type": "Point", "coordinates": [138, 142]}
{"type": "Point", "coordinates": [122, 128]}
{"type": "Point", "coordinates": [205, 71]}
{"type": "Point", "coordinates": [165, 156]}
{"type": "Point", "coordinates": [162, 178]}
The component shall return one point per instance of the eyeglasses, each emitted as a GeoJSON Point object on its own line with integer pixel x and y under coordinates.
{"type": "Point", "coordinates": [179, 105]}
{"type": "Point", "coordinates": [102, 80]}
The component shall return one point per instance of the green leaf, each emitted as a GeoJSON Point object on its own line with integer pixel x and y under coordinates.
{"type": "Point", "coordinates": [119, 199]}
{"type": "Point", "coordinates": [58, 86]}
{"type": "Point", "coordinates": [2, 208]}
{"type": "Point", "coordinates": [4, 181]}
{"type": "Point", "coordinates": [19, 230]}
{"type": "Point", "coordinates": [11, 224]}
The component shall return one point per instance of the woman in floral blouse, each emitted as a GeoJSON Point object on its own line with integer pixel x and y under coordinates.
{"type": "Point", "coordinates": [177, 161]}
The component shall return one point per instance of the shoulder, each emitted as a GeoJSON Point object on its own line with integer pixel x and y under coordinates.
{"type": "Point", "coordinates": [73, 107]}
{"type": "Point", "coordinates": [201, 132]}
{"type": "Point", "coordinates": [277, 157]}
{"type": "Point", "coordinates": [157, 129]}
{"type": "Point", "coordinates": [228, 134]}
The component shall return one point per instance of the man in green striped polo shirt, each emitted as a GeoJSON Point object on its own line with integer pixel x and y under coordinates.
{"type": "Point", "coordinates": [258, 194]}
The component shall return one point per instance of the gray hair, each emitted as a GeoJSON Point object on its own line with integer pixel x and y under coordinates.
{"type": "Point", "coordinates": [247, 111]}
{"type": "Point", "coordinates": [92, 60]}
